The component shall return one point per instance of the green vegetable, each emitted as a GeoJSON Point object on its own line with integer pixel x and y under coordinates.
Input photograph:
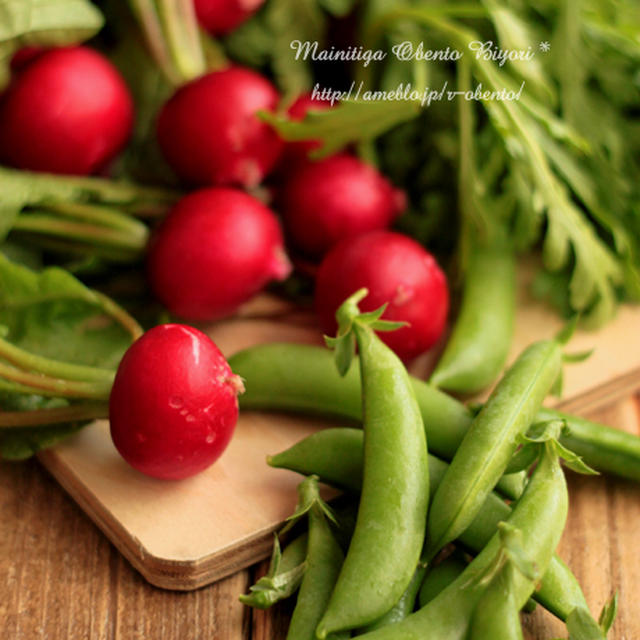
{"type": "Point", "coordinates": [318, 454]}
{"type": "Point", "coordinates": [275, 381]}
{"type": "Point", "coordinates": [492, 439]}
{"type": "Point", "coordinates": [284, 576]}
{"type": "Point", "coordinates": [323, 563]}
{"type": "Point", "coordinates": [440, 576]}
{"type": "Point", "coordinates": [91, 216]}
{"type": "Point", "coordinates": [540, 515]}
{"type": "Point", "coordinates": [350, 121]}
{"type": "Point", "coordinates": [59, 339]}
{"type": "Point", "coordinates": [496, 615]}
{"type": "Point", "coordinates": [389, 531]}
{"type": "Point", "coordinates": [479, 344]}
{"type": "Point", "coordinates": [266, 39]}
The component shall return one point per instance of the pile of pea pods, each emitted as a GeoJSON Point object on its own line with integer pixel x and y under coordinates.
{"type": "Point", "coordinates": [449, 518]}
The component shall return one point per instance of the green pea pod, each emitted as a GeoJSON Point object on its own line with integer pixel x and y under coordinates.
{"type": "Point", "coordinates": [403, 607]}
{"type": "Point", "coordinates": [323, 562]}
{"type": "Point", "coordinates": [438, 578]}
{"type": "Point", "coordinates": [479, 344]}
{"type": "Point", "coordinates": [276, 381]}
{"type": "Point", "coordinates": [496, 615]}
{"type": "Point", "coordinates": [540, 515]}
{"type": "Point", "coordinates": [335, 455]}
{"type": "Point", "coordinates": [490, 443]}
{"type": "Point", "coordinates": [395, 486]}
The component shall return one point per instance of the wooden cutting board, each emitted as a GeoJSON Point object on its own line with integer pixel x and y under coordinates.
{"type": "Point", "coordinates": [183, 535]}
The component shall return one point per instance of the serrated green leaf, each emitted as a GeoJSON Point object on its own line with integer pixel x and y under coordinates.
{"type": "Point", "coordinates": [350, 122]}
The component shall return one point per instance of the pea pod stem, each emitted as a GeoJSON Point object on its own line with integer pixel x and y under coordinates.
{"type": "Point", "coordinates": [479, 344]}
{"type": "Point", "coordinates": [284, 576]}
{"type": "Point", "coordinates": [275, 381]}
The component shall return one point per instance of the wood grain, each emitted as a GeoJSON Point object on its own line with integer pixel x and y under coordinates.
{"type": "Point", "coordinates": [60, 579]}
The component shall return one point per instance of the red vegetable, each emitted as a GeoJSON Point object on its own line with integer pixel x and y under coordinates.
{"type": "Point", "coordinates": [335, 198]}
{"type": "Point", "coordinates": [216, 249]}
{"type": "Point", "coordinates": [67, 111]}
{"type": "Point", "coordinates": [24, 56]}
{"type": "Point", "coordinates": [221, 16]}
{"type": "Point", "coordinates": [173, 405]}
{"type": "Point", "coordinates": [397, 271]}
{"type": "Point", "coordinates": [209, 131]}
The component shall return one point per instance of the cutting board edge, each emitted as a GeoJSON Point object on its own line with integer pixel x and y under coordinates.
{"type": "Point", "coordinates": [166, 573]}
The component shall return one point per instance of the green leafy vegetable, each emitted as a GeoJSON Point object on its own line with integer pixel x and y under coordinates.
{"type": "Point", "coordinates": [54, 315]}
{"type": "Point", "coordinates": [268, 36]}
{"type": "Point", "coordinates": [47, 23]}
{"type": "Point", "coordinates": [351, 121]}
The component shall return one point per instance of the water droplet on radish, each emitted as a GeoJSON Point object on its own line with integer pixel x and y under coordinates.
{"type": "Point", "coordinates": [191, 418]}
{"type": "Point", "coordinates": [211, 438]}
{"type": "Point", "coordinates": [175, 402]}
{"type": "Point", "coordinates": [141, 438]}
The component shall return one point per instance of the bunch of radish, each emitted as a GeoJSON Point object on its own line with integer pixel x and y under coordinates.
{"type": "Point", "coordinates": [173, 404]}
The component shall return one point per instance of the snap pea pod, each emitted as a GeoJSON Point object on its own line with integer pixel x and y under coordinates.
{"type": "Point", "coordinates": [496, 615]}
{"type": "Point", "coordinates": [323, 562]}
{"type": "Point", "coordinates": [438, 578]}
{"type": "Point", "coordinates": [403, 607]}
{"type": "Point", "coordinates": [540, 514]}
{"type": "Point", "coordinates": [560, 593]}
{"type": "Point", "coordinates": [491, 441]}
{"type": "Point", "coordinates": [479, 344]}
{"type": "Point", "coordinates": [275, 380]}
{"type": "Point", "coordinates": [395, 486]}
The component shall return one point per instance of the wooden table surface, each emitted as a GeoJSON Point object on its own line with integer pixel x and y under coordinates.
{"type": "Point", "coordinates": [60, 579]}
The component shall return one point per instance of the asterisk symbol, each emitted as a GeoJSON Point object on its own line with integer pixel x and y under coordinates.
{"type": "Point", "coordinates": [545, 46]}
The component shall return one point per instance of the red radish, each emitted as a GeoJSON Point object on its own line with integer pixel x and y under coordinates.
{"type": "Point", "coordinates": [396, 270]}
{"type": "Point", "coordinates": [335, 198]}
{"type": "Point", "coordinates": [298, 150]}
{"type": "Point", "coordinates": [24, 56]}
{"type": "Point", "coordinates": [215, 250]}
{"type": "Point", "coordinates": [67, 111]}
{"type": "Point", "coordinates": [173, 405]}
{"type": "Point", "coordinates": [221, 16]}
{"type": "Point", "coordinates": [210, 134]}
